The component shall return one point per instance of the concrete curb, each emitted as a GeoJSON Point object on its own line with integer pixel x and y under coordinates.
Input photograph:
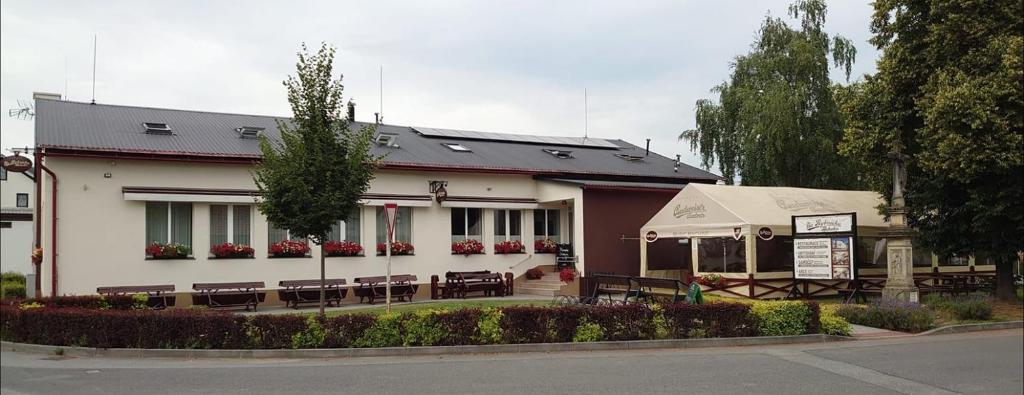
{"type": "Point", "coordinates": [964, 328]}
{"type": "Point", "coordinates": [416, 351]}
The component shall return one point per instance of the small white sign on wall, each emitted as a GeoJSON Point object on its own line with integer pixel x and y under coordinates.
{"type": "Point", "coordinates": [837, 223]}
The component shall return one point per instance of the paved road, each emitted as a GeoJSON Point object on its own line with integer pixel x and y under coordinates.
{"type": "Point", "coordinates": [983, 362]}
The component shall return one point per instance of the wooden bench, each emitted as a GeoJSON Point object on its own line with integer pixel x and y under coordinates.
{"type": "Point", "coordinates": [614, 287]}
{"type": "Point", "coordinates": [461, 283]}
{"type": "Point", "coordinates": [216, 295]}
{"type": "Point", "coordinates": [157, 297]}
{"type": "Point", "coordinates": [294, 292]}
{"type": "Point", "coordinates": [647, 285]}
{"type": "Point", "coordinates": [439, 290]}
{"type": "Point", "coordinates": [371, 288]}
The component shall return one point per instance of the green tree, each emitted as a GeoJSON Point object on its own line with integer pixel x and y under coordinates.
{"type": "Point", "coordinates": [948, 89]}
{"type": "Point", "coordinates": [775, 122]}
{"type": "Point", "coordinates": [315, 175]}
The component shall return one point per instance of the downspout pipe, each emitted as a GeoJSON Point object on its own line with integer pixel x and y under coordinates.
{"type": "Point", "coordinates": [53, 222]}
{"type": "Point", "coordinates": [37, 172]}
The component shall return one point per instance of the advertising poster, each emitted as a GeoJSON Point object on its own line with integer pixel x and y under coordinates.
{"type": "Point", "coordinates": [842, 255]}
{"type": "Point", "coordinates": [812, 258]}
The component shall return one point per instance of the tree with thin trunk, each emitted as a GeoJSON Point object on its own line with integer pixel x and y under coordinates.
{"type": "Point", "coordinates": [314, 176]}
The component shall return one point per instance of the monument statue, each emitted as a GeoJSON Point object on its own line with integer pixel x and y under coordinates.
{"type": "Point", "coordinates": [899, 285]}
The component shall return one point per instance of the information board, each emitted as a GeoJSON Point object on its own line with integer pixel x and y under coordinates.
{"type": "Point", "coordinates": [823, 247]}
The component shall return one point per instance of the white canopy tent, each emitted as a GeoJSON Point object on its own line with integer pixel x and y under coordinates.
{"type": "Point", "coordinates": [703, 211]}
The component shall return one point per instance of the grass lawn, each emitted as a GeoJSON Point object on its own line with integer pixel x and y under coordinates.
{"type": "Point", "coordinates": [441, 305]}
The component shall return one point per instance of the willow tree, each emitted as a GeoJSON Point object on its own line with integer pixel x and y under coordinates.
{"type": "Point", "coordinates": [948, 90]}
{"type": "Point", "coordinates": [775, 121]}
{"type": "Point", "coordinates": [315, 175]}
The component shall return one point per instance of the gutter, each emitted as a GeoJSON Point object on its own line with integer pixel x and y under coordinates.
{"type": "Point", "coordinates": [53, 224]}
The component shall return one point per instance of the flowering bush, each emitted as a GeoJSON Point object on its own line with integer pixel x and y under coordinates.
{"type": "Point", "coordinates": [711, 280]}
{"type": "Point", "coordinates": [342, 248]}
{"type": "Point", "coordinates": [467, 247]}
{"type": "Point", "coordinates": [167, 251]}
{"type": "Point", "coordinates": [397, 248]}
{"type": "Point", "coordinates": [229, 250]}
{"type": "Point", "coordinates": [289, 248]}
{"type": "Point", "coordinates": [546, 246]}
{"type": "Point", "coordinates": [534, 274]}
{"type": "Point", "coordinates": [895, 316]}
{"type": "Point", "coordinates": [567, 275]}
{"type": "Point", "coordinates": [509, 247]}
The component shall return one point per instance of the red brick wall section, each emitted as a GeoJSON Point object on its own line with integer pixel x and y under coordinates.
{"type": "Point", "coordinates": [607, 216]}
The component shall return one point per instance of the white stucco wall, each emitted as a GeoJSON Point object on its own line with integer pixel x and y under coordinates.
{"type": "Point", "coordinates": [101, 236]}
{"type": "Point", "coordinates": [16, 241]}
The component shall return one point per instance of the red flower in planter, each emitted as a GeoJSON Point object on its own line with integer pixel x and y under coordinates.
{"type": "Point", "coordinates": [397, 248]}
{"type": "Point", "coordinates": [167, 250]}
{"type": "Point", "coordinates": [712, 280]}
{"type": "Point", "coordinates": [567, 275]}
{"type": "Point", "coordinates": [534, 274]}
{"type": "Point", "coordinates": [509, 247]}
{"type": "Point", "coordinates": [342, 248]}
{"type": "Point", "coordinates": [546, 246]}
{"type": "Point", "coordinates": [289, 248]}
{"type": "Point", "coordinates": [229, 250]}
{"type": "Point", "coordinates": [467, 247]}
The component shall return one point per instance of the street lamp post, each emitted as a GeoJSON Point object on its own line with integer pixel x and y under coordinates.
{"type": "Point", "coordinates": [899, 286]}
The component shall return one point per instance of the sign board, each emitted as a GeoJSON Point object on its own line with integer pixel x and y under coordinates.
{"type": "Point", "coordinates": [823, 247]}
{"type": "Point", "coordinates": [765, 233]}
{"type": "Point", "coordinates": [564, 256]}
{"type": "Point", "coordinates": [16, 163]}
{"type": "Point", "coordinates": [390, 214]}
{"type": "Point", "coordinates": [651, 236]}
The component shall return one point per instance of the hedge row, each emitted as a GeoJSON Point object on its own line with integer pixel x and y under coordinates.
{"type": "Point", "coordinates": [183, 328]}
{"type": "Point", "coordinates": [93, 302]}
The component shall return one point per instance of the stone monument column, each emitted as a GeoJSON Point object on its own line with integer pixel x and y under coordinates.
{"type": "Point", "coordinates": [899, 286]}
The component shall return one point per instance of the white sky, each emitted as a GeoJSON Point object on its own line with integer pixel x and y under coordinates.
{"type": "Point", "coordinates": [509, 66]}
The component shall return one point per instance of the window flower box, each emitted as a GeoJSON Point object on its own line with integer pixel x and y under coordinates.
{"type": "Point", "coordinates": [289, 249]}
{"type": "Point", "coordinates": [167, 251]}
{"type": "Point", "coordinates": [467, 247]}
{"type": "Point", "coordinates": [397, 248]}
{"type": "Point", "coordinates": [546, 246]}
{"type": "Point", "coordinates": [230, 250]}
{"type": "Point", "coordinates": [509, 247]}
{"type": "Point", "coordinates": [343, 248]}
{"type": "Point", "coordinates": [712, 280]}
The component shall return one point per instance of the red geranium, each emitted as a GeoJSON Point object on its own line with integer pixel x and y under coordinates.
{"type": "Point", "coordinates": [342, 248]}
{"type": "Point", "coordinates": [712, 280]}
{"type": "Point", "coordinates": [467, 247]}
{"type": "Point", "coordinates": [397, 248]}
{"type": "Point", "coordinates": [289, 248]}
{"type": "Point", "coordinates": [229, 250]}
{"type": "Point", "coordinates": [534, 274]}
{"type": "Point", "coordinates": [167, 250]}
{"type": "Point", "coordinates": [546, 246]}
{"type": "Point", "coordinates": [509, 247]}
{"type": "Point", "coordinates": [567, 275]}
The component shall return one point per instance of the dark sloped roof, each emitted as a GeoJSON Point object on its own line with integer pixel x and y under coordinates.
{"type": "Point", "coordinates": [111, 128]}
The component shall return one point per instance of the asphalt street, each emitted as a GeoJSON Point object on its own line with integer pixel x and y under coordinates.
{"type": "Point", "coordinates": [981, 362]}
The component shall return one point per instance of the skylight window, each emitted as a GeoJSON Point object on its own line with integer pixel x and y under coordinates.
{"type": "Point", "coordinates": [456, 147]}
{"type": "Point", "coordinates": [631, 158]}
{"type": "Point", "coordinates": [249, 132]}
{"type": "Point", "coordinates": [156, 128]}
{"type": "Point", "coordinates": [386, 139]}
{"type": "Point", "coordinates": [560, 154]}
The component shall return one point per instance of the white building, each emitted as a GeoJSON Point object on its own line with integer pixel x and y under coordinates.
{"type": "Point", "coordinates": [129, 176]}
{"type": "Point", "coordinates": [17, 192]}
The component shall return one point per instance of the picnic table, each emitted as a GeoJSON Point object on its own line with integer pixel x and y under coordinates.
{"type": "Point", "coordinates": [218, 295]}
{"type": "Point", "coordinates": [458, 284]}
{"type": "Point", "coordinates": [615, 288]}
{"type": "Point", "coordinates": [157, 295]}
{"type": "Point", "coordinates": [294, 292]}
{"type": "Point", "coordinates": [371, 288]}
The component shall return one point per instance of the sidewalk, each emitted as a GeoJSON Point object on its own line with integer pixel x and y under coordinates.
{"type": "Point", "coordinates": [867, 332]}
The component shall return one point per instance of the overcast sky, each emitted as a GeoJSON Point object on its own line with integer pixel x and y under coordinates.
{"type": "Point", "coordinates": [510, 66]}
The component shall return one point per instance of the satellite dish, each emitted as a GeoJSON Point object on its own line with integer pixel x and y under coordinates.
{"type": "Point", "coordinates": [25, 110]}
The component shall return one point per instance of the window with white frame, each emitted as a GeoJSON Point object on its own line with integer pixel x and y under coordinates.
{"type": "Point", "coordinates": [546, 225]}
{"type": "Point", "coordinates": [508, 225]}
{"type": "Point", "coordinates": [21, 200]}
{"type": "Point", "coordinates": [230, 224]}
{"type": "Point", "coordinates": [466, 224]}
{"type": "Point", "coordinates": [277, 235]}
{"type": "Point", "coordinates": [348, 229]}
{"type": "Point", "coordinates": [169, 222]}
{"type": "Point", "coordinates": [403, 225]}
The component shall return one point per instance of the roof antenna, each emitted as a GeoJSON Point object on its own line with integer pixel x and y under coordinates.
{"type": "Point", "coordinates": [586, 117]}
{"type": "Point", "coordinates": [93, 69]}
{"type": "Point", "coordinates": [381, 117]}
{"type": "Point", "coordinates": [65, 77]}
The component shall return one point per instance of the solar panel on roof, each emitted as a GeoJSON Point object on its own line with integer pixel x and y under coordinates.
{"type": "Point", "coordinates": [520, 138]}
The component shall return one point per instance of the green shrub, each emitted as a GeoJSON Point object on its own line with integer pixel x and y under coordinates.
{"type": "Point", "coordinates": [12, 277]}
{"type": "Point", "coordinates": [896, 316]}
{"type": "Point", "coordinates": [782, 318]}
{"type": "Point", "coordinates": [832, 323]}
{"type": "Point", "coordinates": [140, 301]}
{"type": "Point", "coordinates": [385, 332]}
{"type": "Point", "coordinates": [311, 337]}
{"type": "Point", "coordinates": [588, 332]}
{"type": "Point", "coordinates": [11, 289]}
{"type": "Point", "coordinates": [963, 308]}
{"type": "Point", "coordinates": [489, 326]}
{"type": "Point", "coordinates": [420, 329]}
